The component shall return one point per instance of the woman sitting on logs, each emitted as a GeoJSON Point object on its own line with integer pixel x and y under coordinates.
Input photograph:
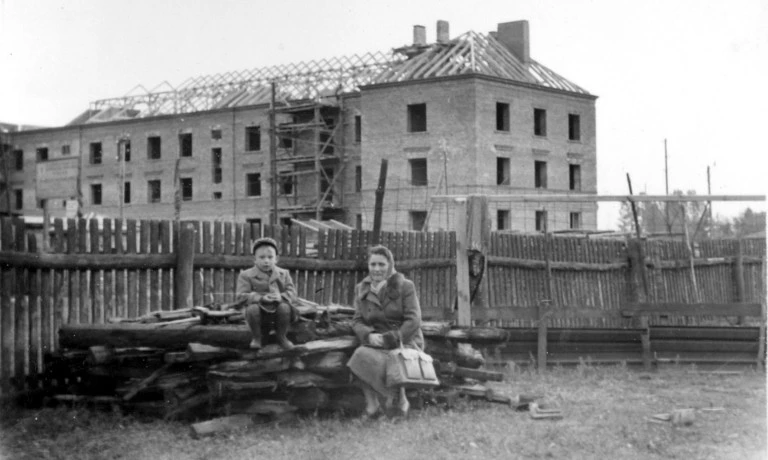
{"type": "Point", "coordinates": [387, 313]}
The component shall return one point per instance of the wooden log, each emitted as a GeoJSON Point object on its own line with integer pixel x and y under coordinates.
{"type": "Point", "coordinates": [174, 336]}
{"type": "Point", "coordinates": [188, 405]}
{"type": "Point", "coordinates": [221, 424]}
{"type": "Point", "coordinates": [435, 328]}
{"type": "Point", "coordinates": [270, 407]}
{"type": "Point", "coordinates": [478, 334]}
{"type": "Point", "coordinates": [463, 354]}
{"type": "Point", "coordinates": [312, 398]}
{"type": "Point", "coordinates": [145, 383]}
{"type": "Point", "coordinates": [327, 363]}
{"type": "Point", "coordinates": [303, 379]}
{"type": "Point", "coordinates": [476, 374]}
{"type": "Point", "coordinates": [202, 352]}
{"type": "Point", "coordinates": [246, 370]}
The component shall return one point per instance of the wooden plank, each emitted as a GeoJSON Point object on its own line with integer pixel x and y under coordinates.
{"type": "Point", "coordinates": [698, 309]}
{"type": "Point", "coordinates": [462, 265]}
{"type": "Point", "coordinates": [96, 296]}
{"type": "Point", "coordinates": [108, 274]}
{"type": "Point", "coordinates": [143, 274]}
{"type": "Point", "coordinates": [46, 321]}
{"type": "Point", "coordinates": [543, 320]}
{"type": "Point", "coordinates": [166, 288]}
{"type": "Point", "coordinates": [222, 424]}
{"type": "Point", "coordinates": [154, 273]}
{"type": "Point", "coordinates": [73, 278]}
{"type": "Point", "coordinates": [132, 293]}
{"type": "Point", "coordinates": [217, 274]}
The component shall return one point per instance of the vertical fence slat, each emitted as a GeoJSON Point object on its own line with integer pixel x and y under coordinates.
{"type": "Point", "coordinates": [166, 288]}
{"type": "Point", "coordinates": [132, 276]}
{"type": "Point", "coordinates": [143, 230]}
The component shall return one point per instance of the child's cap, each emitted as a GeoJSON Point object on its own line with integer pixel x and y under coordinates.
{"type": "Point", "coordinates": [263, 242]}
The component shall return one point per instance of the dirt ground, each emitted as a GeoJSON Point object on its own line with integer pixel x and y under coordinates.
{"type": "Point", "coordinates": [606, 412]}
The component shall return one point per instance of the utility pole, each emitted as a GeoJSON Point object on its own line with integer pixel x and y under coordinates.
{"type": "Point", "coordinates": [709, 205]}
{"type": "Point", "coordinates": [666, 189]}
{"type": "Point", "coordinates": [273, 158]}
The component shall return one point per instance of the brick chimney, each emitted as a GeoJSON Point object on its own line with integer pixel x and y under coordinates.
{"type": "Point", "coordinates": [514, 35]}
{"type": "Point", "coordinates": [442, 32]}
{"type": "Point", "coordinates": [419, 36]}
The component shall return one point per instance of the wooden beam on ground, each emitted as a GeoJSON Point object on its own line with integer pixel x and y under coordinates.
{"type": "Point", "coordinates": [221, 424]}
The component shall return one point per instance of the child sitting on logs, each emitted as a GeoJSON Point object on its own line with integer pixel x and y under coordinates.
{"type": "Point", "coordinates": [269, 295]}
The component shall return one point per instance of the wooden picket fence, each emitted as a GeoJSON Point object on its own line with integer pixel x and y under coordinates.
{"type": "Point", "coordinates": [93, 270]}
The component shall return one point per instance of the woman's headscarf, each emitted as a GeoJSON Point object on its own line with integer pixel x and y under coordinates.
{"type": "Point", "coordinates": [383, 251]}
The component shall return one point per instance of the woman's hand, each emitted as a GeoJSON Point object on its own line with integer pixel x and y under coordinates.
{"type": "Point", "coordinates": [376, 340]}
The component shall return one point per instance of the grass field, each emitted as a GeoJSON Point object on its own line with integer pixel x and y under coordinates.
{"type": "Point", "coordinates": [606, 412]}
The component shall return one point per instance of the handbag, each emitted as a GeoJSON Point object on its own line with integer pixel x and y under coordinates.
{"type": "Point", "coordinates": [410, 368]}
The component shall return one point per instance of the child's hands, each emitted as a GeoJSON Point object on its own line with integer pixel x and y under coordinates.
{"type": "Point", "coordinates": [270, 298]}
{"type": "Point", "coordinates": [376, 340]}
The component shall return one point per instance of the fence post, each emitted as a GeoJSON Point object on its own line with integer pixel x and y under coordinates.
{"type": "Point", "coordinates": [464, 317]}
{"type": "Point", "coordinates": [739, 275]}
{"type": "Point", "coordinates": [640, 294]}
{"type": "Point", "coordinates": [541, 351]}
{"type": "Point", "coordinates": [185, 257]}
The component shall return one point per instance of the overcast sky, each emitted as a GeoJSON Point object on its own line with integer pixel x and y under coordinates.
{"type": "Point", "coordinates": [693, 72]}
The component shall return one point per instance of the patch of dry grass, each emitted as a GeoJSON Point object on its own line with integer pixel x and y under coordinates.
{"type": "Point", "coordinates": [606, 411]}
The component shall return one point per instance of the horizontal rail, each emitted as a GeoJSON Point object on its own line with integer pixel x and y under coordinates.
{"type": "Point", "coordinates": [698, 309]}
{"type": "Point", "coordinates": [587, 198]}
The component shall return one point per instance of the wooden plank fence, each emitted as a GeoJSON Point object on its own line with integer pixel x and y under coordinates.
{"type": "Point", "coordinates": [91, 271]}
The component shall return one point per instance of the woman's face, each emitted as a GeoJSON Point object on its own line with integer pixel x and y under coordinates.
{"type": "Point", "coordinates": [378, 267]}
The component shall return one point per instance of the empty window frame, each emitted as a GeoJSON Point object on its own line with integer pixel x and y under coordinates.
{"type": "Point", "coordinates": [540, 122]}
{"type": "Point", "coordinates": [126, 193]}
{"type": "Point", "coordinates": [358, 128]}
{"type": "Point", "coordinates": [216, 162]}
{"type": "Point", "coordinates": [285, 142]}
{"type": "Point", "coordinates": [124, 150]}
{"type": "Point", "coordinates": [418, 218]}
{"type": "Point", "coordinates": [18, 160]}
{"type": "Point", "coordinates": [286, 185]}
{"type": "Point", "coordinates": [358, 178]}
{"type": "Point", "coordinates": [502, 219]}
{"type": "Point", "coordinates": [42, 154]}
{"type": "Point", "coordinates": [540, 174]}
{"type": "Point", "coordinates": [186, 189]}
{"type": "Point", "coordinates": [216, 196]}
{"type": "Point", "coordinates": [417, 118]}
{"type": "Point", "coordinates": [95, 153]}
{"type": "Point", "coordinates": [502, 116]}
{"type": "Point", "coordinates": [418, 171]}
{"type": "Point", "coordinates": [252, 138]}
{"type": "Point", "coordinates": [95, 194]}
{"type": "Point", "coordinates": [185, 144]}
{"type": "Point", "coordinates": [154, 191]}
{"type": "Point", "coordinates": [154, 147]}
{"type": "Point", "coordinates": [359, 221]}
{"type": "Point", "coordinates": [541, 221]}
{"type": "Point", "coordinates": [216, 134]}
{"type": "Point", "coordinates": [65, 149]}
{"type": "Point", "coordinates": [575, 220]}
{"type": "Point", "coordinates": [574, 127]}
{"type": "Point", "coordinates": [253, 184]}
{"type": "Point", "coordinates": [574, 177]}
{"type": "Point", "coordinates": [18, 198]}
{"type": "Point", "coordinates": [41, 203]}
{"type": "Point", "coordinates": [502, 171]}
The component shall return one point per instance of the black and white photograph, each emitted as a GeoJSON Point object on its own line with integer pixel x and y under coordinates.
{"type": "Point", "coordinates": [244, 229]}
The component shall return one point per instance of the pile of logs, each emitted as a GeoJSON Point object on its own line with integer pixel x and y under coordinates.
{"type": "Point", "coordinates": [196, 363]}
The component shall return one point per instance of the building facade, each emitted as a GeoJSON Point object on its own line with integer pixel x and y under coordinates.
{"type": "Point", "coordinates": [472, 114]}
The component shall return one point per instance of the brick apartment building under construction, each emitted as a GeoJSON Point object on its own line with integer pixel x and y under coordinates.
{"type": "Point", "coordinates": [469, 114]}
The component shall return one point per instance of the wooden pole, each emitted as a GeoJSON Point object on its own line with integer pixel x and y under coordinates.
{"type": "Point", "coordinates": [541, 349]}
{"type": "Point", "coordinates": [738, 271]}
{"type": "Point", "coordinates": [689, 247]}
{"type": "Point", "coordinates": [46, 227]}
{"type": "Point", "coordinates": [634, 209]}
{"type": "Point", "coordinates": [666, 189]}
{"type": "Point", "coordinates": [464, 317]}
{"type": "Point", "coordinates": [185, 256]}
{"type": "Point", "coordinates": [273, 159]}
{"type": "Point", "coordinates": [377, 209]}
